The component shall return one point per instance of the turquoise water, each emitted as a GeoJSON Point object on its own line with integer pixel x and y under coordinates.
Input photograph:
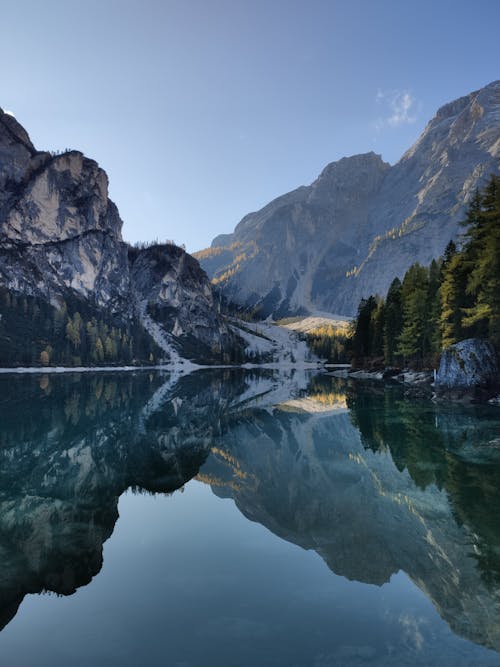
{"type": "Point", "coordinates": [238, 518]}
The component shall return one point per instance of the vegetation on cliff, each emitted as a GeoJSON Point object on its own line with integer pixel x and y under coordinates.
{"type": "Point", "coordinates": [36, 333]}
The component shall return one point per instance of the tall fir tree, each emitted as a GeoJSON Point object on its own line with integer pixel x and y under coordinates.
{"type": "Point", "coordinates": [377, 322]}
{"type": "Point", "coordinates": [432, 331]}
{"type": "Point", "coordinates": [482, 316]}
{"type": "Point", "coordinates": [362, 328]}
{"type": "Point", "coordinates": [414, 292]}
{"type": "Point", "coordinates": [393, 321]}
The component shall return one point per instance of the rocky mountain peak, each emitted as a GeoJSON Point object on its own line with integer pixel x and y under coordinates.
{"type": "Point", "coordinates": [59, 197]}
{"type": "Point", "coordinates": [489, 96]}
{"type": "Point", "coordinates": [12, 132]}
{"type": "Point", "coordinates": [356, 175]}
{"type": "Point", "coordinates": [473, 117]}
{"type": "Point", "coordinates": [61, 247]}
{"type": "Point", "coordinates": [350, 165]}
{"type": "Point", "coordinates": [362, 222]}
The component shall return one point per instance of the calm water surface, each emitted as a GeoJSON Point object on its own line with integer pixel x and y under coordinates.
{"type": "Point", "coordinates": [242, 518]}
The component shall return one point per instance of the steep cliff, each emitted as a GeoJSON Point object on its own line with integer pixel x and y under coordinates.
{"type": "Point", "coordinates": [176, 304]}
{"type": "Point", "coordinates": [362, 222]}
{"type": "Point", "coordinates": [68, 292]}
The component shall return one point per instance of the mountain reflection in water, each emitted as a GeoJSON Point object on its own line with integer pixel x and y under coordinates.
{"type": "Point", "coordinates": [372, 482]}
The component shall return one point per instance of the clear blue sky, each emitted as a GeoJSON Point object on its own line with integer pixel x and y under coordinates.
{"type": "Point", "coordinates": [203, 110]}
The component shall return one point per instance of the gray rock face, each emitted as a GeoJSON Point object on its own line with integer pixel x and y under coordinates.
{"type": "Point", "coordinates": [59, 232]}
{"type": "Point", "coordinates": [466, 367]}
{"type": "Point", "coordinates": [170, 286]}
{"type": "Point", "coordinates": [362, 222]}
{"type": "Point", "coordinates": [60, 235]}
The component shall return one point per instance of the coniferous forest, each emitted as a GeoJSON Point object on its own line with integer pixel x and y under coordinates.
{"type": "Point", "coordinates": [456, 297]}
{"type": "Point", "coordinates": [35, 333]}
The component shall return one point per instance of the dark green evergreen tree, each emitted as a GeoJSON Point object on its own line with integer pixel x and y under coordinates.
{"type": "Point", "coordinates": [482, 316]}
{"type": "Point", "coordinates": [414, 294]}
{"type": "Point", "coordinates": [361, 338]}
{"type": "Point", "coordinates": [377, 325]}
{"type": "Point", "coordinates": [432, 331]}
{"type": "Point", "coordinates": [393, 321]}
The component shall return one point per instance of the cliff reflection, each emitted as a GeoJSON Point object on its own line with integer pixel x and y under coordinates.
{"type": "Point", "coordinates": [372, 482]}
{"type": "Point", "coordinates": [69, 447]}
{"type": "Point", "coordinates": [382, 486]}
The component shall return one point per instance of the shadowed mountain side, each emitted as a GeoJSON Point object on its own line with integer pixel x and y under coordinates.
{"type": "Point", "coordinates": [72, 292]}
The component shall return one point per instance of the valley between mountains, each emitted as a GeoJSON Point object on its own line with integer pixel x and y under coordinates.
{"type": "Point", "coordinates": [73, 293]}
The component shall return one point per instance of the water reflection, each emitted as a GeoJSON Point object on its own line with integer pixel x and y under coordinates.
{"type": "Point", "coordinates": [387, 485]}
{"type": "Point", "coordinates": [70, 446]}
{"type": "Point", "coordinates": [372, 482]}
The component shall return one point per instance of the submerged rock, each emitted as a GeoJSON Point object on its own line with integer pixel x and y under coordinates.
{"type": "Point", "coordinates": [468, 370]}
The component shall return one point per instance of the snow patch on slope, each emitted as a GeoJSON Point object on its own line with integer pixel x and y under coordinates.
{"type": "Point", "coordinates": [315, 321]}
{"type": "Point", "coordinates": [158, 334]}
{"type": "Point", "coordinates": [277, 346]}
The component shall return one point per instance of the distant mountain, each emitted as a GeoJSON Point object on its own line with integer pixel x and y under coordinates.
{"type": "Point", "coordinates": [71, 291]}
{"type": "Point", "coordinates": [362, 222]}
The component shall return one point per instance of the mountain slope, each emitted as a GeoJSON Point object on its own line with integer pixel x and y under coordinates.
{"type": "Point", "coordinates": [362, 222]}
{"type": "Point", "coordinates": [71, 290]}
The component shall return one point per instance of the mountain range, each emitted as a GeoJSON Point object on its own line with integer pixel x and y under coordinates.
{"type": "Point", "coordinates": [72, 292]}
{"type": "Point", "coordinates": [362, 222]}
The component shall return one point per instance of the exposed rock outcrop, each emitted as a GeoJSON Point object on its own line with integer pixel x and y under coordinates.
{"type": "Point", "coordinates": [468, 370]}
{"type": "Point", "coordinates": [362, 222]}
{"type": "Point", "coordinates": [60, 241]}
{"type": "Point", "coordinates": [176, 303]}
{"type": "Point", "coordinates": [59, 231]}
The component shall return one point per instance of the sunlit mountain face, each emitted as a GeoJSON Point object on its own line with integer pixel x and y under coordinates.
{"type": "Point", "coordinates": [362, 222]}
{"type": "Point", "coordinates": [399, 499]}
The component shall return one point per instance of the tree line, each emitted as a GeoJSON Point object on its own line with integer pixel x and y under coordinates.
{"type": "Point", "coordinates": [35, 333]}
{"type": "Point", "coordinates": [456, 297]}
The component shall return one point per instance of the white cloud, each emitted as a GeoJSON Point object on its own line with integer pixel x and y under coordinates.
{"type": "Point", "coordinates": [412, 628]}
{"type": "Point", "coordinates": [400, 108]}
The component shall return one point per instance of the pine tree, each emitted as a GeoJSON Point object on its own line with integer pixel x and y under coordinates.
{"type": "Point", "coordinates": [414, 292]}
{"type": "Point", "coordinates": [393, 321]}
{"type": "Point", "coordinates": [432, 332]}
{"type": "Point", "coordinates": [449, 252]}
{"type": "Point", "coordinates": [453, 299]}
{"type": "Point", "coordinates": [482, 317]}
{"type": "Point", "coordinates": [377, 325]}
{"type": "Point", "coordinates": [361, 338]}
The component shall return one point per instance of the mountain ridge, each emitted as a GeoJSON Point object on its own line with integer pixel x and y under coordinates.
{"type": "Point", "coordinates": [416, 207]}
{"type": "Point", "coordinates": [69, 293]}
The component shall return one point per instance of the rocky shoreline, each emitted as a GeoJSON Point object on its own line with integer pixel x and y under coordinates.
{"type": "Point", "coordinates": [416, 383]}
{"type": "Point", "coordinates": [468, 372]}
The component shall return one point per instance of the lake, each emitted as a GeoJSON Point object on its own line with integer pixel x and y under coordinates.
{"type": "Point", "coordinates": [245, 517]}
